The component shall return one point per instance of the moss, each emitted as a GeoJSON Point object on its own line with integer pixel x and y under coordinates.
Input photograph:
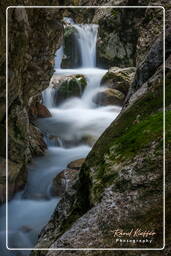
{"type": "Point", "coordinates": [114, 12]}
{"type": "Point", "coordinates": [138, 136]}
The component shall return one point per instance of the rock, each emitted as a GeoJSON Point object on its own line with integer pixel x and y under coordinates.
{"type": "Point", "coordinates": [121, 181]}
{"type": "Point", "coordinates": [31, 57]}
{"type": "Point", "coordinates": [64, 182]}
{"type": "Point", "coordinates": [42, 111]}
{"type": "Point", "coordinates": [118, 35]}
{"type": "Point", "coordinates": [71, 58]}
{"type": "Point", "coordinates": [76, 164]}
{"type": "Point", "coordinates": [16, 178]}
{"type": "Point", "coordinates": [119, 78]}
{"type": "Point", "coordinates": [149, 30]}
{"type": "Point", "coordinates": [36, 140]}
{"type": "Point", "coordinates": [109, 97]}
{"type": "Point", "coordinates": [68, 87]}
{"type": "Point", "coordinates": [25, 229]}
{"type": "Point", "coordinates": [38, 110]}
{"type": "Point", "coordinates": [2, 179]}
{"type": "Point", "coordinates": [150, 64]}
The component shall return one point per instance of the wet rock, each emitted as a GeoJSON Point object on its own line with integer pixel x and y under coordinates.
{"type": "Point", "coordinates": [109, 97]}
{"type": "Point", "coordinates": [71, 58]}
{"type": "Point", "coordinates": [64, 182]}
{"type": "Point", "coordinates": [76, 164]}
{"type": "Point", "coordinates": [38, 110]}
{"type": "Point", "coordinates": [16, 178]}
{"type": "Point", "coordinates": [68, 87]}
{"type": "Point", "coordinates": [119, 79]}
{"type": "Point", "coordinates": [26, 229]}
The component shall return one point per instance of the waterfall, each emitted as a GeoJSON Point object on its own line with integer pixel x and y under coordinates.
{"type": "Point", "coordinates": [58, 57]}
{"type": "Point", "coordinates": [87, 37]}
{"type": "Point", "coordinates": [66, 133]}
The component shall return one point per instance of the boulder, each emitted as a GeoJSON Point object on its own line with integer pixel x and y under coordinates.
{"type": "Point", "coordinates": [76, 164]}
{"type": "Point", "coordinates": [119, 78]}
{"type": "Point", "coordinates": [68, 87]}
{"type": "Point", "coordinates": [64, 182]}
{"type": "Point", "coordinates": [109, 97]}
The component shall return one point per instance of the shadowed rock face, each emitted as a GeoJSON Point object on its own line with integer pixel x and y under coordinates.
{"type": "Point", "coordinates": [120, 182]}
{"type": "Point", "coordinates": [34, 35]}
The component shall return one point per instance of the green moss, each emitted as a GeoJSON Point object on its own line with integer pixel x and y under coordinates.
{"type": "Point", "coordinates": [138, 136]}
{"type": "Point", "coordinates": [114, 12]}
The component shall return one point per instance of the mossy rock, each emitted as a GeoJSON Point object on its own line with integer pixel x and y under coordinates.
{"type": "Point", "coordinates": [71, 57]}
{"type": "Point", "coordinates": [119, 79]}
{"type": "Point", "coordinates": [68, 87]}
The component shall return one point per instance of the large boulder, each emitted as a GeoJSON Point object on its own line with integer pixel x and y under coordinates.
{"type": "Point", "coordinates": [119, 78]}
{"type": "Point", "coordinates": [67, 87]}
{"type": "Point", "coordinates": [109, 97]}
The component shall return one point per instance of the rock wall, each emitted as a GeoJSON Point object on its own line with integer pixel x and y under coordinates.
{"type": "Point", "coordinates": [34, 35]}
{"type": "Point", "coordinates": [120, 184]}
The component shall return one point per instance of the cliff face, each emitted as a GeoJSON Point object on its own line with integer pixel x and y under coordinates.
{"type": "Point", "coordinates": [121, 181]}
{"type": "Point", "coordinates": [34, 35]}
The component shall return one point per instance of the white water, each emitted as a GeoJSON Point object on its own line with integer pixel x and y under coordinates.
{"type": "Point", "coordinates": [87, 37]}
{"type": "Point", "coordinates": [71, 122]}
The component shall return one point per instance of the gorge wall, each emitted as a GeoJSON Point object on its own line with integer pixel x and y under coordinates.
{"type": "Point", "coordinates": [34, 35]}
{"type": "Point", "coordinates": [112, 172]}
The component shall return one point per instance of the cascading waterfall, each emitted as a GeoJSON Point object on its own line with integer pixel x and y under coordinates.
{"type": "Point", "coordinates": [87, 37]}
{"type": "Point", "coordinates": [73, 120]}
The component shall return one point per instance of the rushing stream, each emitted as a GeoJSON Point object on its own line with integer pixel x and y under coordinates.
{"type": "Point", "coordinates": [72, 120]}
